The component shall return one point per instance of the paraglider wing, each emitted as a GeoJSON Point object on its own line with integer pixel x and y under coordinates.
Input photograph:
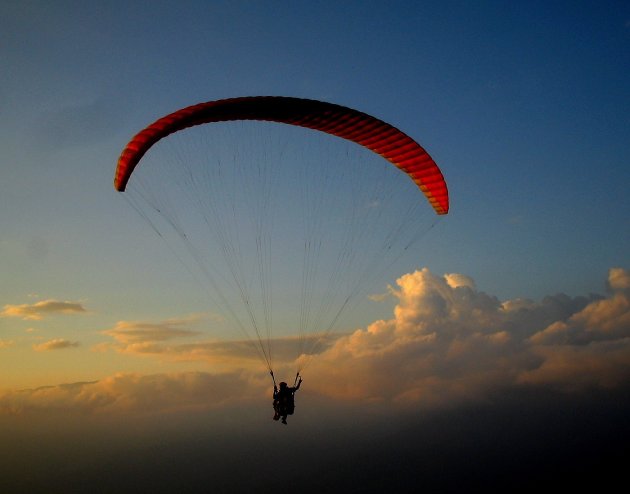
{"type": "Point", "coordinates": [373, 134]}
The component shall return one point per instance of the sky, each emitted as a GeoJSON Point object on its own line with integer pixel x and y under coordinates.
{"type": "Point", "coordinates": [497, 357]}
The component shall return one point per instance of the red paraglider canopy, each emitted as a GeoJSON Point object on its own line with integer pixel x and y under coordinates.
{"type": "Point", "coordinates": [372, 133]}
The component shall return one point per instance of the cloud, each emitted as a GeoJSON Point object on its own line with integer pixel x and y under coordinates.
{"type": "Point", "coordinates": [578, 368]}
{"type": "Point", "coordinates": [130, 333]}
{"type": "Point", "coordinates": [56, 344]}
{"type": "Point", "coordinates": [161, 339]}
{"type": "Point", "coordinates": [6, 343]}
{"type": "Point", "coordinates": [619, 280]}
{"type": "Point", "coordinates": [602, 320]}
{"type": "Point", "coordinates": [607, 319]}
{"type": "Point", "coordinates": [450, 342]}
{"type": "Point", "coordinates": [39, 310]}
{"type": "Point", "coordinates": [447, 343]}
{"type": "Point", "coordinates": [134, 393]}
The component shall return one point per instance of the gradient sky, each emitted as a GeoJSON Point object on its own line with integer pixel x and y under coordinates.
{"type": "Point", "coordinates": [524, 106]}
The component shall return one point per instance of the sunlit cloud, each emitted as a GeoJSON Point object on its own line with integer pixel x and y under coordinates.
{"type": "Point", "coordinates": [447, 343]}
{"type": "Point", "coordinates": [577, 368]}
{"type": "Point", "coordinates": [135, 393]}
{"type": "Point", "coordinates": [161, 339]}
{"type": "Point", "coordinates": [56, 344]}
{"type": "Point", "coordinates": [379, 297]}
{"type": "Point", "coordinates": [619, 280]}
{"type": "Point", "coordinates": [602, 320]}
{"type": "Point", "coordinates": [130, 332]}
{"type": "Point", "coordinates": [6, 343]}
{"type": "Point", "coordinates": [39, 310]}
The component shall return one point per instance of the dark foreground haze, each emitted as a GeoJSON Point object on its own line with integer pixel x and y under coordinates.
{"type": "Point", "coordinates": [521, 441]}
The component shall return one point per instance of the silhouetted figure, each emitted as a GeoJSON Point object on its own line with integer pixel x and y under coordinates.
{"type": "Point", "coordinates": [284, 401]}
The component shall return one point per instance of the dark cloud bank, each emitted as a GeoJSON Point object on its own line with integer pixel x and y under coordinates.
{"type": "Point", "coordinates": [519, 440]}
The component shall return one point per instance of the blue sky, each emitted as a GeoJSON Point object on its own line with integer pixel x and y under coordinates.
{"type": "Point", "coordinates": [523, 105]}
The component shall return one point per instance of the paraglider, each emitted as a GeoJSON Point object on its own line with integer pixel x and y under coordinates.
{"type": "Point", "coordinates": [374, 134]}
{"type": "Point", "coordinates": [284, 237]}
{"type": "Point", "coordinates": [284, 398]}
